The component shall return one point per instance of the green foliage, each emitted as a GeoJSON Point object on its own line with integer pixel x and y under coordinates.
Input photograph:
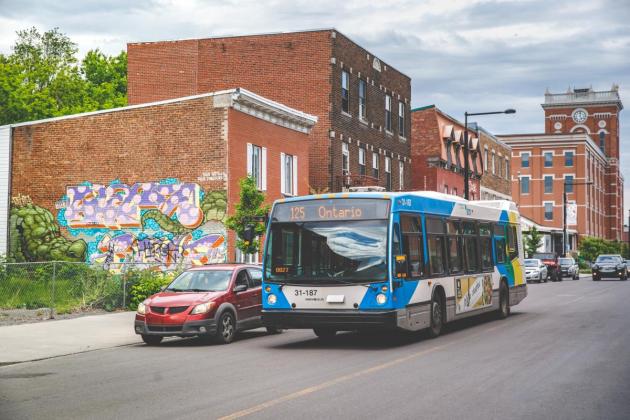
{"type": "Point", "coordinates": [146, 283]}
{"type": "Point", "coordinates": [591, 247]}
{"type": "Point", "coordinates": [41, 78]}
{"type": "Point", "coordinates": [533, 241]}
{"type": "Point", "coordinates": [249, 207]}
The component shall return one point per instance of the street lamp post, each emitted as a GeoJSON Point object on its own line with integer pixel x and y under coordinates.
{"type": "Point", "coordinates": [564, 208]}
{"type": "Point", "coordinates": [466, 166]}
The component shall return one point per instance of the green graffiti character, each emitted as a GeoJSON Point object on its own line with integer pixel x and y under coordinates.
{"type": "Point", "coordinates": [34, 235]}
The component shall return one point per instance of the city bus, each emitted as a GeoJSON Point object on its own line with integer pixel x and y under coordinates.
{"type": "Point", "coordinates": [377, 260]}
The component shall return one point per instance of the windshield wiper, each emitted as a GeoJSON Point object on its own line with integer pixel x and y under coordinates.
{"type": "Point", "coordinates": [173, 290]}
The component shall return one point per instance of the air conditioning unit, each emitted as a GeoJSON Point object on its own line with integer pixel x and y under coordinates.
{"type": "Point", "coordinates": [373, 188]}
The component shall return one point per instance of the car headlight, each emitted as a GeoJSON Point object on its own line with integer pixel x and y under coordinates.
{"type": "Point", "coordinates": [202, 308]}
{"type": "Point", "coordinates": [142, 309]}
{"type": "Point", "coordinates": [272, 299]}
{"type": "Point", "coordinates": [381, 299]}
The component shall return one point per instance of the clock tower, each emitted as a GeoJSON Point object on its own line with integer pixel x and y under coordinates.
{"type": "Point", "coordinates": [595, 113]}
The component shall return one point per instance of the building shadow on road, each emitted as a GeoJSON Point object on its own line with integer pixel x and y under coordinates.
{"type": "Point", "coordinates": [379, 340]}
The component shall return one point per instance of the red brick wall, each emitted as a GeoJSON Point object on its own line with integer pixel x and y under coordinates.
{"type": "Point", "coordinates": [243, 129]}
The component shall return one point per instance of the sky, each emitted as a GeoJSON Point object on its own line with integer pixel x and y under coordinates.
{"type": "Point", "coordinates": [462, 55]}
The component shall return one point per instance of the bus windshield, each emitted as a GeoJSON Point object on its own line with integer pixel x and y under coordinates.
{"type": "Point", "coordinates": [327, 252]}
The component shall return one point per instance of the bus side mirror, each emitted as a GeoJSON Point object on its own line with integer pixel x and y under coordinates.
{"type": "Point", "coordinates": [400, 268]}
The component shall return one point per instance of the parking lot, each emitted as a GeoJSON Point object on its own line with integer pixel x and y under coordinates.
{"type": "Point", "coordinates": [564, 353]}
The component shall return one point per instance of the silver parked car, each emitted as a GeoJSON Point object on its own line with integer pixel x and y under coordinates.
{"type": "Point", "coordinates": [535, 270]}
{"type": "Point", "coordinates": [569, 268]}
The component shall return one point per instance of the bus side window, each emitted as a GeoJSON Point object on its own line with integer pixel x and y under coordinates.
{"type": "Point", "coordinates": [435, 244]}
{"type": "Point", "coordinates": [411, 228]}
{"type": "Point", "coordinates": [499, 243]}
{"type": "Point", "coordinates": [512, 242]}
{"type": "Point", "coordinates": [471, 254]}
{"type": "Point", "coordinates": [485, 244]}
{"type": "Point", "coordinates": [454, 246]}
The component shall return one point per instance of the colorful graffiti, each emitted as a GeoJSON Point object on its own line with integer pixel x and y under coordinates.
{"type": "Point", "coordinates": [156, 224]}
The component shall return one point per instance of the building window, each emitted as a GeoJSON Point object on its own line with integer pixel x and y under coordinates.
{"type": "Point", "coordinates": [445, 189]}
{"type": "Point", "coordinates": [257, 165]}
{"type": "Point", "coordinates": [361, 161]}
{"type": "Point", "coordinates": [485, 160]}
{"type": "Point", "coordinates": [345, 91]}
{"type": "Point", "coordinates": [288, 175]}
{"type": "Point", "coordinates": [454, 191]}
{"type": "Point", "coordinates": [548, 184]}
{"type": "Point", "coordinates": [388, 113]}
{"type": "Point", "coordinates": [401, 119]}
{"type": "Point", "coordinates": [493, 164]}
{"type": "Point", "coordinates": [525, 160]}
{"type": "Point", "coordinates": [602, 143]}
{"type": "Point", "coordinates": [507, 168]}
{"type": "Point", "coordinates": [568, 183]}
{"type": "Point", "coordinates": [401, 175]}
{"type": "Point", "coordinates": [524, 185]}
{"type": "Point", "coordinates": [499, 165]}
{"type": "Point", "coordinates": [345, 159]}
{"type": "Point", "coordinates": [375, 165]}
{"type": "Point", "coordinates": [548, 159]}
{"type": "Point", "coordinates": [548, 211]}
{"type": "Point", "coordinates": [568, 159]}
{"type": "Point", "coordinates": [362, 103]}
{"type": "Point", "coordinates": [388, 172]}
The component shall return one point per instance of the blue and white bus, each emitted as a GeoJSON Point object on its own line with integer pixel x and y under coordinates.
{"type": "Point", "coordinates": [411, 261]}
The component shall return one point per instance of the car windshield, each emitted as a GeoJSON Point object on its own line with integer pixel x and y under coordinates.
{"type": "Point", "coordinates": [328, 252]}
{"type": "Point", "coordinates": [566, 261]}
{"type": "Point", "coordinates": [531, 263]}
{"type": "Point", "coordinates": [608, 259]}
{"type": "Point", "coordinates": [201, 281]}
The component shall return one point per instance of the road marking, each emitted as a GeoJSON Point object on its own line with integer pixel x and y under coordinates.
{"type": "Point", "coordinates": [327, 384]}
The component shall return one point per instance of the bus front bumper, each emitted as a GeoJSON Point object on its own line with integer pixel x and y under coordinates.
{"type": "Point", "coordinates": [340, 320]}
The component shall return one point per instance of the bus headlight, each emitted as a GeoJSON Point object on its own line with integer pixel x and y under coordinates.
{"type": "Point", "coordinates": [272, 299]}
{"type": "Point", "coordinates": [381, 299]}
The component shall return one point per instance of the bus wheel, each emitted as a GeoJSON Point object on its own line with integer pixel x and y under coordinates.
{"type": "Point", "coordinates": [325, 333]}
{"type": "Point", "coordinates": [504, 301]}
{"type": "Point", "coordinates": [435, 328]}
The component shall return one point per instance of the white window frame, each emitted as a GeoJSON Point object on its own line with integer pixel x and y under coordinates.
{"type": "Point", "coordinates": [494, 172]}
{"type": "Point", "coordinates": [485, 158]}
{"type": "Point", "coordinates": [565, 153]}
{"type": "Point", "coordinates": [564, 180]}
{"type": "Point", "coordinates": [553, 204]}
{"type": "Point", "coordinates": [545, 184]}
{"type": "Point", "coordinates": [401, 119]}
{"type": "Point", "coordinates": [362, 100]}
{"type": "Point", "coordinates": [376, 165]}
{"type": "Point", "coordinates": [529, 156]}
{"type": "Point", "coordinates": [292, 188]}
{"type": "Point", "coordinates": [261, 177]}
{"type": "Point", "coordinates": [345, 159]}
{"type": "Point", "coordinates": [401, 175]}
{"type": "Point", "coordinates": [345, 87]}
{"type": "Point", "coordinates": [544, 156]}
{"type": "Point", "coordinates": [388, 113]}
{"type": "Point", "coordinates": [529, 184]}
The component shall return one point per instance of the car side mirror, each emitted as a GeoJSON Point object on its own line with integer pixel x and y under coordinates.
{"type": "Point", "coordinates": [240, 288]}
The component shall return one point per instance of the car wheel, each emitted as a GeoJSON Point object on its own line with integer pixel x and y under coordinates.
{"type": "Point", "coordinates": [546, 278]}
{"type": "Point", "coordinates": [595, 278]}
{"type": "Point", "coordinates": [436, 321]}
{"type": "Point", "coordinates": [273, 330]}
{"type": "Point", "coordinates": [540, 278]}
{"type": "Point", "coordinates": [576, 276]}
{"type": "Point", "coordinates": [226, 329]}
{"type": "Point", "coordinates": [152, 340]}
{"type": "Point", "coordinates": [325, 333]}
{"type": "Point", "coordinates": [504, 301]}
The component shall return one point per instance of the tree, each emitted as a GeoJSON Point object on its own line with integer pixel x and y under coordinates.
{"type": "Point", "coordinates": [41, 78]}
{"type": "Point", "coordinates": [591, 247]}
{"type": "Point", "coordinates": [250, 211]}
{"type": "Point", "coordinates": [533, 241]}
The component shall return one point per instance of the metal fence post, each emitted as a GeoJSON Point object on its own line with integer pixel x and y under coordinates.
{"type": "Point", "coordinates": [52, 303]}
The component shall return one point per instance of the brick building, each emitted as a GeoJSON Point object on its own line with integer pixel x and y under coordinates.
{"type": "Point", "coordinates": [149, 183]}
{"type": "Point", "coordinates": [438, 156]}
{"type": "Point", "coordinates": [580, 145]}
{"type": "Point", "coordinates": [362, 103]}
{"type": "Point", "coordinates": [495, 182]}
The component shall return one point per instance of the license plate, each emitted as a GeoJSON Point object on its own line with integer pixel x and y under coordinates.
{"type": "Point", "coordinates": [335, 298]}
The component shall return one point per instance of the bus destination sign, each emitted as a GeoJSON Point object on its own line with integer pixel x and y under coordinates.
{"type": "Point", "coordinates": [331, 209]}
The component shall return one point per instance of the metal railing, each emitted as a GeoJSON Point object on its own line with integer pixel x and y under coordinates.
{"type": "Point", "coordinates": [42, 290]}
{"type": "Point", "coordinates": [582, 96]}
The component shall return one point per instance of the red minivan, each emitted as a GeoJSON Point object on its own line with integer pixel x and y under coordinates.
{"type": "Point", "coordinates": [214, 301]}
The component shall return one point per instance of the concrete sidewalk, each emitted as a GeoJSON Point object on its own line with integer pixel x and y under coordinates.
{"type": "Point", "coordinates": [21, 343]}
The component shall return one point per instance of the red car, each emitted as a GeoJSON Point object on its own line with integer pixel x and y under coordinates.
{"type": "Point", "coordinates": [214, 301]}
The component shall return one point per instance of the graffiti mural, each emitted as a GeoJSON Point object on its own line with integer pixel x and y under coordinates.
{"type": "Point", "coordinates": [158, 224]}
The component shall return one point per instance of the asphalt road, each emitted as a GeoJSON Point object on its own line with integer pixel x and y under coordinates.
{"type": "Point", "coordinates": [563, 354]}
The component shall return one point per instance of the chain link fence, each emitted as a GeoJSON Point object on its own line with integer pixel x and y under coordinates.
{"type": "Point", "coordinates": [45, 290]}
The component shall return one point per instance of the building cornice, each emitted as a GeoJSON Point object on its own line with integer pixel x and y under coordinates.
{"type": "Point", "coordinates": [528, 140]}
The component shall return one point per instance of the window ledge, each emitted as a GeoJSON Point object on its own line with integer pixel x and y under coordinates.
{"type": "Point", "coordinates": [346, 114]}
{"type": "Point", "coordinates": [364, 121]}
{"type": "Point", "coordinates": [389, 133]}
{"type": "Point", "coordinates": [402, 139]}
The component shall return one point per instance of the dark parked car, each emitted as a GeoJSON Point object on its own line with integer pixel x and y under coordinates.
{"type": "Point", "coordinates": [214, 301]}
{"type": "Point", "coordinates": [609, 266]}
{"type": "Point", "coordinates": [550, 259]}
{"type": "Point", "coordinates": [569, 268]}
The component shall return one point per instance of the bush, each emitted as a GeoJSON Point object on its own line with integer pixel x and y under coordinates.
{"type": "Point", "coordinates": [145, 283]}
{"type": "Point", "coordinates": [591, 247]}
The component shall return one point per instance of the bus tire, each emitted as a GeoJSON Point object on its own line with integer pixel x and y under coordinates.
{"type": "Point", "coordinates": [504, 301]}
{"type": "Point", "coordinates": [437, 315]}
{"type": "Point", "coordinates": [325, 333]}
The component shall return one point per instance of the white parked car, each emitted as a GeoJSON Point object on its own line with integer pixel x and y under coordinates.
{"type": "Point", "coordinates": [535, 270]}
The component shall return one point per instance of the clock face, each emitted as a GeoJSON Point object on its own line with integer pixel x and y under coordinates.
{"type": "Point", "coordinates": [579, 116]}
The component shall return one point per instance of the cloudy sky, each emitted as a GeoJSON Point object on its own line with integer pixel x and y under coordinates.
{"type": "Point", "coordinates": [475, 55]}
